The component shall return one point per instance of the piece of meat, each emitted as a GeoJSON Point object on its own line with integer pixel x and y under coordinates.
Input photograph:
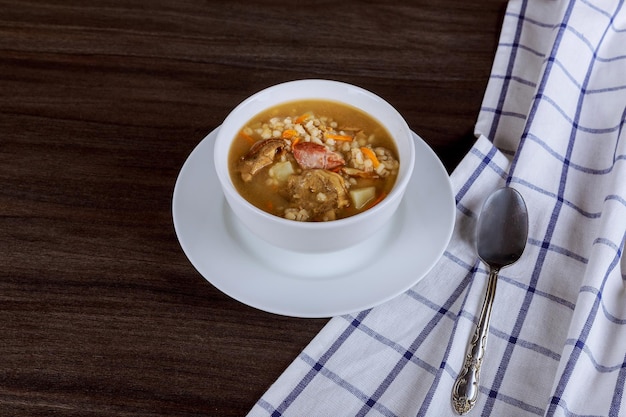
{"type": "Point", "coordinates": [319, 191]}
{"type": "Point", "coordinates": [260, 155]}
{"type": "Point", "coordinates": [354, 172]}
{"type": "Point", "coordinates": [311, 155]}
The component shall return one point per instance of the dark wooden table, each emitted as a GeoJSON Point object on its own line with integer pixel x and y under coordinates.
{"type": "Point", "coordinates": [101, 102]}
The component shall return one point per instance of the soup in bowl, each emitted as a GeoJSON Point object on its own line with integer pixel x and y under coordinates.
{"type": "Point", "coordinates": [314, 165]}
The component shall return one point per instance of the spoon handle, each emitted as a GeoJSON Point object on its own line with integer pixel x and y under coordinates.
{"type": "Point", "coordinates": [465, 389]}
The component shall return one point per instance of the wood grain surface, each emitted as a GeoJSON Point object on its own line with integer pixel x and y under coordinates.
{"type": "Point", "coordinates": [101, 102]}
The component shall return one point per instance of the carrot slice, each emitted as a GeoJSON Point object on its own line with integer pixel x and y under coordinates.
{"type": "Point", "coordinates": [289, 133]}
{"type": "Point", "coordinates": [246, 136]}
{"type": "Point", "coordinates": [344, 138]}
{"type": "Point", "coordinates": [302, 118]}
{"type": "Point", "coordinates": [371, 155]}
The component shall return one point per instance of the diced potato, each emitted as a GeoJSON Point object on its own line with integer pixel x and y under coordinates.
{"type": "Point", "coordinates": [281, 171]}
{"type": "Point", "coordinates": [361, 196]}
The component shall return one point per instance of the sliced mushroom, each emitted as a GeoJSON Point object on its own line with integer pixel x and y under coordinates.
{"type": "Point", "coordinates": [260, 155]}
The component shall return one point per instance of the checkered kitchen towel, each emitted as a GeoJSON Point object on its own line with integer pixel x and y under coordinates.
{"type": "Point", "coordinates": [551, 126]}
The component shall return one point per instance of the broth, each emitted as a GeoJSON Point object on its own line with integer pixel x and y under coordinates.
{"type": "Point", "coordinates": [313, 160]}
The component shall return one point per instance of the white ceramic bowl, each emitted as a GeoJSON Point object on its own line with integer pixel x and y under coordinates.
{"type": "Point", "coordinates": [315, 237]}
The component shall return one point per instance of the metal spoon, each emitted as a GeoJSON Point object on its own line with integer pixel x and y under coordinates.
{"type": "Point", "coordinates": [501, 237]}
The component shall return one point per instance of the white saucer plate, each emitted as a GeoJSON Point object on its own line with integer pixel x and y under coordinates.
{"type": "Point", "coordinates": [296, 284]}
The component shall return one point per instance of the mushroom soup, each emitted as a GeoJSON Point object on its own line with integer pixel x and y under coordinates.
{"type": "Point", "coordinates": [313, 160]}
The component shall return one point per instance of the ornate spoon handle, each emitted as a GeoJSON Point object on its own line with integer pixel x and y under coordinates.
{"type": "Point", "coordinates": [465, 389]}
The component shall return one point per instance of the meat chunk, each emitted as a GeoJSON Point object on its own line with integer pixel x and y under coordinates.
{"type": "Point", "coordinates": [318, 191]}
{"type": "Point", "coordinates": [260, 155]}
{"type": "Point", "coordinates": [311, 155]}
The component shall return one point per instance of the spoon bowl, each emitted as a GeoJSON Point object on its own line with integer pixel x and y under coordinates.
{"type": "Point", "coordinates": [501, 237]}
{"type": "Point", "coordinates": [502, 228]}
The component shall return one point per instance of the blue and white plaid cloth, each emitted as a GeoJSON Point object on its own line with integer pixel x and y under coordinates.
{"type": "Point", "coordinates": [552, 126]}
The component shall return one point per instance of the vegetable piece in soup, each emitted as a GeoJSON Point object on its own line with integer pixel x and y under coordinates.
{"type": "Point", "coordinates": [313, 160]}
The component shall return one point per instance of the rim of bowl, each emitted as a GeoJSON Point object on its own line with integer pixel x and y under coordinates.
{"type": "Point", "coordinates": [234, 119]}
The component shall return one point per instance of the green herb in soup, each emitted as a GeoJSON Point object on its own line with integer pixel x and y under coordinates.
{"type": "Point", "coordinates": [313, 160]}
